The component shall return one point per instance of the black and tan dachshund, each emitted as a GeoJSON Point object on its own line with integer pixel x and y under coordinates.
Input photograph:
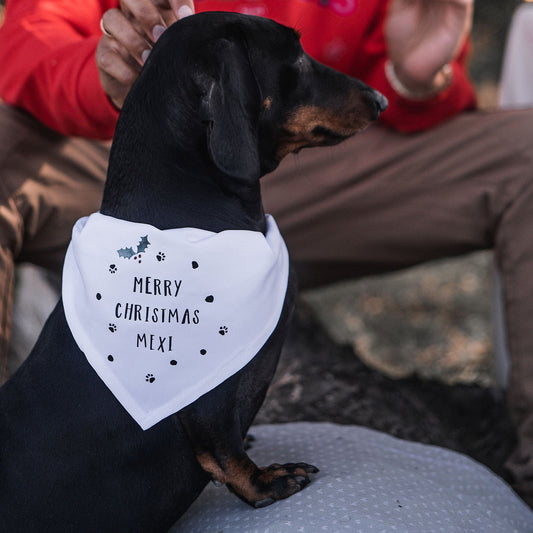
{"type": "Point", "coordinates": [222, 99]}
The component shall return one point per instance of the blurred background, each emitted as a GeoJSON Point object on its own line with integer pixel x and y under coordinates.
{"type": "Point", "coordinates": [436, 320]}
{"type": "Point", "coordinates": [410, 353]}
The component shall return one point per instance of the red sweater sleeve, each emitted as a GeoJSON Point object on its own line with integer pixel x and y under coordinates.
{"type": "Point", "coordinates": [47, 53]}
{"type": "Point", "coordinates": [413, 115]}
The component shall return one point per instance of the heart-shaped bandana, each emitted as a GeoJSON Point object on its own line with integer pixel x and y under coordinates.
{"type": "Point", "coordinates": [164, 316]}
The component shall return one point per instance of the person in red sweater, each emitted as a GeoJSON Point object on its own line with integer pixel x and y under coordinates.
{"type": "Point", "coordinates": [433, 178]}
{"type": "Point", "coordinates": [49, 68]}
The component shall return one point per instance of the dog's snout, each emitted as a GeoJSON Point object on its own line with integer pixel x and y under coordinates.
{"type": "Point", "coordinates": [378, 101]}
{"type": "Point", "coordinates": [381, 102]}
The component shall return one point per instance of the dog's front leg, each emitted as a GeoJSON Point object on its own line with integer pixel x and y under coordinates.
{"type": "Point", "coordinates": [215, 432]}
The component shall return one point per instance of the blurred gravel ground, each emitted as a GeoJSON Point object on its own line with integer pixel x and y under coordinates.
{"type": "Point", "coordinates": [320, 380]}
{"type": "Point", "coordinates": [433, 321]}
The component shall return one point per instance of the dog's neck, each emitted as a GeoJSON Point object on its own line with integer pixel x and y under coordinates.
{"type": "Point", "coordinates": [149, 184]}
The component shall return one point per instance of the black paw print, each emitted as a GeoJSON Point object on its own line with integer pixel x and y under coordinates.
{"type": "Point", "coordinates": [150, 378]}
{"type": "Point", "coordinates": [112, 328]}
{"type": "Point", "coordinates": [113, 269]}
{"type": "Point", "coordinates": [160, 256]}
{"type": "Point", "coordinates": [223, 330]}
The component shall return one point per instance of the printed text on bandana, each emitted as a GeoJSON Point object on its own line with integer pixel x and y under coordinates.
{"type": "Point", "coordinates": [148, 314]}
{"type": "Point", "coordinates": [176, 313]}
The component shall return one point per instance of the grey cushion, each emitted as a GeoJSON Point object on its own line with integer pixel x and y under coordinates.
{"type": "Point", "coordinates": [368, 482]}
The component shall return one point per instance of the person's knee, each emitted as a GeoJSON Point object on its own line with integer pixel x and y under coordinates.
{"type": "Point", "coordinates": [515, 131]}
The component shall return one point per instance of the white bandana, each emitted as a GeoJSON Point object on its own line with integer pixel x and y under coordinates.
{"type": "Point", "coordinates": [165, 316]}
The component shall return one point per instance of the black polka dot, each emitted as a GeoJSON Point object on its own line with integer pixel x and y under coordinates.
{"type": "Point", "coordinates": [173, 362]}
{"type": "Point", "coordinates": [203, 352]}
{"type": "Point", "coordinates": [210, 299]}
{"type": "Point", "coordinates": [110, 358]}
{"type": "Point", "coordinates": [98, 296]}
{"type": "Point", "coordinates": [195, 264]}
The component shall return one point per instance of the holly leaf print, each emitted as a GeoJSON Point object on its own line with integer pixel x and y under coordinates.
{"type": "Point", "coordinates": [141, 247]}
{"type": "Point", "coordinates": [128, 253]}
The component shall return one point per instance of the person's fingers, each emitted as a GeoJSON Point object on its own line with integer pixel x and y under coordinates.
{"type": "Point", "coordinates": [128, 35]}
{"type": "Point", "coordinates": [173, 10]}
{"type": "Point", "coordinates": [117, 70]}
{"type": "Point", "coordinates": [145, 17]}
{"type": "Point", "coordinates": [116, 26]}
{"type": "Point", "coordinates": [182, 8]}
{"type": "Point", "coordinates": [148, 18]}
{"type": "Point", "coordinates": [166, 11]}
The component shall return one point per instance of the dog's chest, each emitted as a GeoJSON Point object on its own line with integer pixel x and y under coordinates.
{"type": "Point", "coordinates": [165, 316]}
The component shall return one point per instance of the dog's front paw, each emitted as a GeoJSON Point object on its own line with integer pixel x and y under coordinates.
{"type": "Point", "coordinates": [276, 482]}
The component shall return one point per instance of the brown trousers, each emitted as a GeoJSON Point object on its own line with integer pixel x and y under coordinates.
{"type": "Point", "coordinates": [377, 202]}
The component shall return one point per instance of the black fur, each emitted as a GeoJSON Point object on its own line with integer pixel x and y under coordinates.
{"type": "Point", "coordinates": [212, 111]}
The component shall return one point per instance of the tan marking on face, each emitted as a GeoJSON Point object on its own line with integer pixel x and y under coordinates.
{"type": "Point", "coordinates": [267, 103]}
{"type": "Point", "coordinates": [301, 126]}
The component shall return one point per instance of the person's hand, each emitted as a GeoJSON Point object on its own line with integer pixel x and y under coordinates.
{"type": "Point", "coordinates": [129, 33]}
{"type": "Point", "coordinates": [423, 36]}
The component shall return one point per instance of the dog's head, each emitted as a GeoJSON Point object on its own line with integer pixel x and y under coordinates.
{"type": "Point", "coordinates": [242, 89]}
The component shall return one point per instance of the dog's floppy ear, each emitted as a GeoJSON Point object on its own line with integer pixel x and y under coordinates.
{"type": "Point", "coordinates": [230, 110]}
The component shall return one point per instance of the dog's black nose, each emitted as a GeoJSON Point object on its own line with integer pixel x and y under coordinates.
{"type": "Point", "coordinates": [376, 100]}
{"type": "Point", "coordinates": [381, 102]}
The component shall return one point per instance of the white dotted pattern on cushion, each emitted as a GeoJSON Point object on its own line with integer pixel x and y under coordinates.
{"type": "Point", "coordinates": [368, 482]}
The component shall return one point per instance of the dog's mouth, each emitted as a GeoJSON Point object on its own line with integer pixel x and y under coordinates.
{"type": "Point", "coordinates": [327, 125]}
{"type": "Point", "coordinates": [328, 137]}
{"type": "Point", "coordinates": [320, 136]}
{"type": "Point", "coordinates": [311, 126]}
{"type": "Point", "coordinates": [294, 137]}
